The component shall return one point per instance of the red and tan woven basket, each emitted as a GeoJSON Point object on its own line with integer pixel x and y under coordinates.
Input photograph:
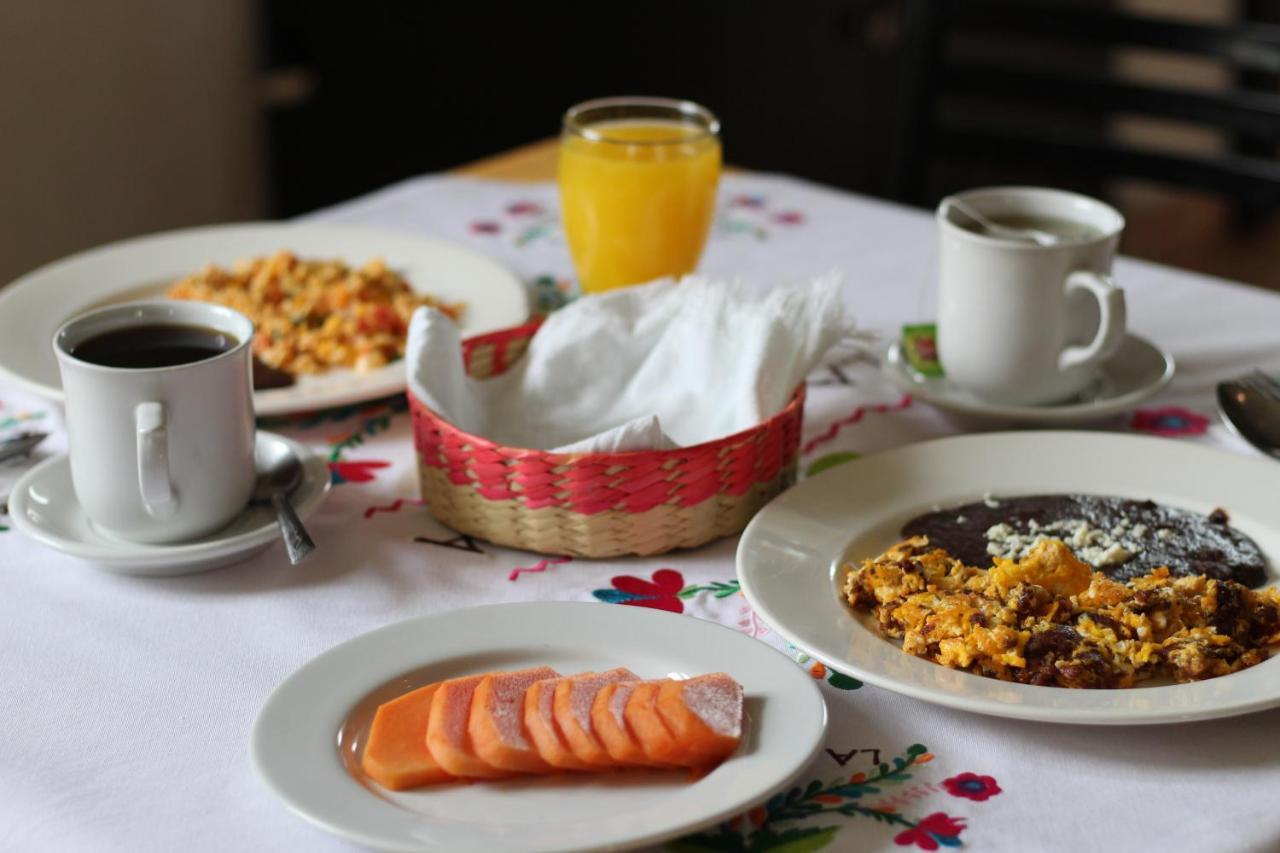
{"type": "Point", "coordinates": [597, 504]}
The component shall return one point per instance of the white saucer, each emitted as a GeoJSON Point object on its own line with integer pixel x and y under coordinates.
{"type": "Point", "coordinates": [44, 506]}
{"type": "Point", "coordinates": [1138, 370]}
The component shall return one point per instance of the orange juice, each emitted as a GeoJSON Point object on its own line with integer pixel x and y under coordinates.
{"type": "Point", "coordinates": [637, 198]}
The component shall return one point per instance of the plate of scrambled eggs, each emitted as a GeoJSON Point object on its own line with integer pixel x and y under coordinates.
{"type": "Point", "coordinates": [330, 303]}
{"type": "Point", "coordinates": [827, 565]}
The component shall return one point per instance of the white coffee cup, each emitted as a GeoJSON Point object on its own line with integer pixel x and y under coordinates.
{"type": "Point", "coordinates": [1019, 322]}
{"type": "Point", "coordinates": [160, 454]}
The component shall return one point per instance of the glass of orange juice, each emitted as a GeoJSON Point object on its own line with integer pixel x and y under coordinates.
{"type": "Point", "coordinates": [637, 188]}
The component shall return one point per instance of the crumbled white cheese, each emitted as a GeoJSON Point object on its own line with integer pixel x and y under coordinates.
{"type": "Point", "coordinates": [1113, 556]}
{"type": "Point", "coordinates": [960, 519]}
{"type": "Point", "coordinates": [1095, 546]}
{"type": "Point", "coordinates": [1164, 533]}
{"type": "Point", "coordinates": [989, 501]}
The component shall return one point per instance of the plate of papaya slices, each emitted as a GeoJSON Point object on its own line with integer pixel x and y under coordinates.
{"type": "Point", "coordinates": [537, 726]}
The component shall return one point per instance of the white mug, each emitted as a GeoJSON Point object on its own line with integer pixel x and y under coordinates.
{"type": "Point", "coordinates": [1023, 323]}
{"type": "Point", "coordinates": [160, 454]}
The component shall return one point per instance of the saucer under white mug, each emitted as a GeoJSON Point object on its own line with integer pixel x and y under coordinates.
{"type": "Point", "coordinates": [43, 505]}
{"type": "Point", "coordinates": [1138, 370]}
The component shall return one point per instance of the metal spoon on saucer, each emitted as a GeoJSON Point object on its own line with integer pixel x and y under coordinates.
{"type": "Point", "coordinates": [994, 229]}
{"type": "Point", "coordinates": [279, 473]}
{"type": "Point", "coordinates": [1251, 407]}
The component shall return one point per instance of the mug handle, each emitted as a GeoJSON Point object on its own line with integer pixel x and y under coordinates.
{"type": "Point", "coordinates": [153, 461]}
{"type": "Point", "coordinates": [1111, 319]}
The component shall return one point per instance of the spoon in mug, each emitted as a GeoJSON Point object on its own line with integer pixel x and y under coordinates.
{"type": "Point", "coordinates": [279, 473]}
{"type": "Point", "coordinates": [993, 229]}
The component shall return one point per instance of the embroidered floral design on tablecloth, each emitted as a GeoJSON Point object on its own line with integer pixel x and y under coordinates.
{"type": "Point", "coordinates": [1169, 421]}
{"type": "Point", "coordinates": [540, 566]}
{"type": "Point", "coordinates": [527, 220]}
{"type": "Point", "coordinates": [343, 470]}
{"type": "Point", "coordinates": [551, 293]}
{"type": "Point", "coordinates": [19, 418]}
{"type": "Point", "coordinates": [858, 795]}
{"type": "Point", "coordinates": [395, 506]}
{"type": "Point", "coordinates": [971, 786]}
{"type": "Point", "coordinates": [852, 418]}
{"type": "Point", "coordinates": [822, 672]}
{"type": "Point", "coordinates": [396, 404]}
{"type": "Point", "coordinates": [750, 214]}
{"type": "Point", "coordinates": [665, 590]}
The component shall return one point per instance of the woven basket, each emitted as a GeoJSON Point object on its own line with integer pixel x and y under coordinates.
{"type": "Point", "coordinates": [597, 504]}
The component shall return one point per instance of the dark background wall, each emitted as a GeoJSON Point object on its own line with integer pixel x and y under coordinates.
{"type": "Point", "coordinates": [406, 88]}
{"type": "Point", "coordinates": [123, 118]}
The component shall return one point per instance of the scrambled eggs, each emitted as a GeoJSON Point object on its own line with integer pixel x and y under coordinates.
{"type": "Point", "coordinates": [1048, 619]}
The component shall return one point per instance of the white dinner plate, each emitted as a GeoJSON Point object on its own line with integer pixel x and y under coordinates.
{"type": "Point", "coordinates": [34, 306]}
{"type": "Point", "coordinates": [1138, 370]}
{"type": "Point", "coordinates": [791, 558]}
{"type": "Point", "coordinates": [309, 735]}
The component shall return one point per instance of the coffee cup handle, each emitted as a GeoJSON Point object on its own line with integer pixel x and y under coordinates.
{"type": "Point", "coordinates": [153, 461]}
{"type": "Point", "coordinates": [1111, 319]}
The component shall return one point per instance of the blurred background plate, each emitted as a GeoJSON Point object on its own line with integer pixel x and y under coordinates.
{"type": "Point", "coordinates": [34, 306]}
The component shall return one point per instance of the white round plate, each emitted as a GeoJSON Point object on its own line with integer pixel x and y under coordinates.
{"type": "Point", "coordinates": [43, 505]}
{"type": "Point", "coordinates": [1138, 370]}
{"type": "Point", "coordinates": [34, 306]}
{"type": "Point", "coordinates": [791, 558]}
{"type": "Point", "coordinates": [308, 737]}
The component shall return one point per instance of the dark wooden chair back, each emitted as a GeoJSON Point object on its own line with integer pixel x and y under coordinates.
{"type": "Point", "coordinates": [982, 74]}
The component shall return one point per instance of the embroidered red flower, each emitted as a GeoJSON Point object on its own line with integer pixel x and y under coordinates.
{"type": "Point", "coordinates": [660, 593]}
{"type": "Point", "coordinates": [789, 217]}
{"type": "Point", "coordinates": [524, 208]}
{"type": "Point", "coordinates": [356, 471]}
{"type": "Point", "coordinates": [485, 226]}
{"type": "Point", "coordinates": [932, 831]}
{"type": "Point", "coordinates": [971, 786]}
{"type": "Point", "coordinates": [1169, 421]}
{"type": "Point", "coordinates": [748, 201]}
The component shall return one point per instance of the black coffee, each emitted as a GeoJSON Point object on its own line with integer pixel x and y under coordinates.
{"type": "Point", "coordinates": [155, 345]}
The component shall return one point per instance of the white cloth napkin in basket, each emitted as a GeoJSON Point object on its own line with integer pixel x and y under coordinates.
{"type": "Point", "coordinates": [653, 367]}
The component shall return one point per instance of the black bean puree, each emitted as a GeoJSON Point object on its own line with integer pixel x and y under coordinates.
{"type": "Point", "coordinates": [1199, 544]}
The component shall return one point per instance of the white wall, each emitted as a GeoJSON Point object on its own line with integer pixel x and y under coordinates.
{"type": "Point", "coordinates": [121, 117]}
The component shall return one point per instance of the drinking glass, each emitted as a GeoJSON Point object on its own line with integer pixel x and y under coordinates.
{"type": "Point", "coordinates": [637, 188]}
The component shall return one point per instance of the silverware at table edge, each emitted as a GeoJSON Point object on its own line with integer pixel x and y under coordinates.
{"type": "Point", "coordinates": [20, 444]}
{"type": "Point", "coordinates": [1250, 406]}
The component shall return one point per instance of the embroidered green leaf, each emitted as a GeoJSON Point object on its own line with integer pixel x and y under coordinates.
{"type": "Point", "coordinates": [831, 460]}
{"type": "Point", "coordinates": [719, 589]}
{"type": "Point", "coordinates": [794, 840]}
{"type": "Point", "coordinates": [840, 681]}
{"type": "Point", "coordinates": [891, 818]}
{"type": "Point", "coordinates": [724, 840]}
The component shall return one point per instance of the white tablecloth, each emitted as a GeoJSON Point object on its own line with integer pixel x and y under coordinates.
{"type": "Point", "coordinates": [128, 703]}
